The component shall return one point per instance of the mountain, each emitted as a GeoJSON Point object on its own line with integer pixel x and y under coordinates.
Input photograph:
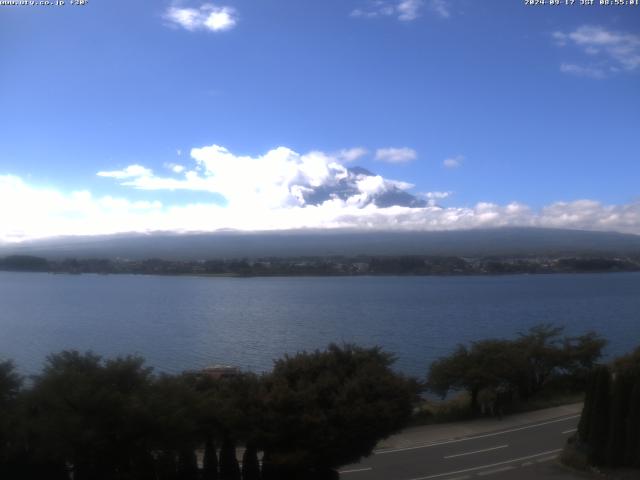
{"type": "Point", "coordinates": [385, 193]}
{"type": "Point", "coordinates": [320, 243]}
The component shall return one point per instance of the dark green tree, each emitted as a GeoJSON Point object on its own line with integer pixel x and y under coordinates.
{"type": "Point", "coordinates": [524, 366]}
{"type": "Point", "coordinates": [210, 460]}
{"type": "Point", "coordinates": [632, 441]}
{"type": "Point", "coordinates": [229, 467]}
{"type": "Point", "coordinates": [584, 423]}
{"type": "Point", "coordinates": [10, 385]}
{"type": "Point", "coordinates": [174, 430]}
{"type": "Point", "coordinates": [616, 436]}
{"type": "Point", "coordinates": [599, 417]}
{"type": "Point", "coordinates": [91, 414]}
{"type": "Point", "coordinates": [329, 408]}
{"type": "Point", "coordinates": [582, 352]}
{"type": "Point", "coordinates": [486, 364]}
{"type": "Point", "coordinates": [250, 464]}
{"type": "Point", "coordinates": [542, 349]}
{"type": "Point", "coordinates": [187, 465]}
{"type": "Point", "coordinates": [167, 465]}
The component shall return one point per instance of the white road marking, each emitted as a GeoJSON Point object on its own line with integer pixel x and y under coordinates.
{"type": "Point", "coordinates": [546, 459]}
{"type": "Point", "coordinates": [495, 470]}
{"type": "Point", "coordinates": [482, 467]}
{"type": "Point", "coordinates": [476, 451]}
{"type": "Point", "coordinates": [526, 464]}
{"type": "Point", "coordinates": [354, 470]}
{"type": "Point", "coordinates": [465, 439]}
{"type": "Point", "coordinates": [571, 430]}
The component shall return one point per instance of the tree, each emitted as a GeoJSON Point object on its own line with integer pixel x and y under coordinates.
{"type": "Point", "coordinates": [616, 436]}
{"type": "Point", "coordinates": [10, 385]}
{"type": "Point", "coordinates": [524, 366]}
{"type": "Point", "coordinates": [229, 468]}
{"type": "Point", "coordinates": [92, 414]}
{"type": "Point", "coordinates": [210, 460]}
{"type": "Point", "coordinates": [488, 364]}
{"type": "Point", "coordinates": [632, 440]}
{"type": "Point", "coordinates": [250, 464]}
{"type": "Point", "coordinates": [584, 423]}
{"type": "Point", "coordinates": [187, 465]}
{"type": "Point", "coordinates": [541, 347]}
{"type": "Point", "coordinates": [581, 354]}
{"type": "Point", "coordinates": [599, 417]}
{"type": "Point", "coordinates": [173, 428]}
{"type": "Point", "coordinates": [609, 427]}
{"type": "Point", "coordinates": [329, 408]}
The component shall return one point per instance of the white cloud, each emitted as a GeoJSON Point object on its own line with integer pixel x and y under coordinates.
{"type": "Point", "coordinates": [453, 162]}
{"type": "Point", "coordinates": [277, 178]}
{"type": "Point", "coordinates": [45, 212]}
{"type": "Point", "coordinates": [582, 71]}
{"type": "Point", "coordinates": [175, 167]}
{"type": "Point", "coordinates": [207, 17]}
{"type": "Point", "coordinates": [349, 155]}
{"type": "Point", "coordinates": [132, 171]}
{"type": "Point", "coordinates": [409, 9]}
{"type": "Point", "coordinates": [433, 197]}
{"type": "Point", "coordinates": [403, 10]}
{"type": "Point", "coordinates": [396, 155]}
{"type": "Point", "coordinates": [441, 7]}
{"type": "Point", "coordinates": [608, 51]}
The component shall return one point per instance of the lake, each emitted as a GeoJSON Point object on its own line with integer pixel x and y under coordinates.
{"type": "Point", "coordinates": [180, 323]}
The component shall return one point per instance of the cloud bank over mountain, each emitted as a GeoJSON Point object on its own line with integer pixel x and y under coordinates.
{"type": "Point", "coordinates": [280, 190]}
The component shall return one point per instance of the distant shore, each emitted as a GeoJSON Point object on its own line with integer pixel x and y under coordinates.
{"type": "Point", "coordinates": [409, 265]}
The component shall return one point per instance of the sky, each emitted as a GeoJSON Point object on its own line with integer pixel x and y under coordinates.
{"type": "Point", "coordinates": [120, 116]}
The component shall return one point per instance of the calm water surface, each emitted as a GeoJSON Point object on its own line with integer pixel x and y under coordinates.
{"type": "Point", "coordinates": [180, 323]}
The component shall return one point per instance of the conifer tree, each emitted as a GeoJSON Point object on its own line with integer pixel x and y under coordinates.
{"type": "Point", "coordinates": [585, 419]}
{"type": "Point", "coordinates": [210, 461]}
{"type": "Point", "coordinates": [599, 417]}
{"type": "Point", "coordinates": [250, 464]}
{"type": "Point", "coordinates": [618, 418]}
{"type": "Point", "coordinates": [229, 468]}
{"type": "Point", "coordinates": [632, 443]}
{"type": "Point", "coordinates": [187, 465]}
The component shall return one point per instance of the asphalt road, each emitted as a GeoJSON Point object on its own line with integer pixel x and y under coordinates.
{"type": "Point", "coordinates": [523, 452]}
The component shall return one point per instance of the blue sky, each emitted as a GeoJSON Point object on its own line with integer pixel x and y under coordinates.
{"type": "Point", "coordinates": [508, 114]}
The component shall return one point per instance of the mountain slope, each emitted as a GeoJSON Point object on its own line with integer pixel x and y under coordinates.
{"type": "Point", "coordinates": [296, 243]}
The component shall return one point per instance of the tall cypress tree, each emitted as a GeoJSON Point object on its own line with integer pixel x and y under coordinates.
{"type": "Point", "coordinates": [167, 466]}
{"type": "Point", "coordinates": [632, 443]}
{"type": "Point", "coordinates": [268, 471]}
{"type": "Point", "coordinates": [210, 461]}
{"type": "Point", "coordinates": [585, 419]}
{"type": "Point", "coordinates": [229, 468]}
{"type": "Point", "coordinates": [250, 464]}
{"type": "Point", "coordinates": [621, 390]}
{"type": "Point", "coordinates": [187, 465]}
{"type": "Point", "coordinates": [599, 417]}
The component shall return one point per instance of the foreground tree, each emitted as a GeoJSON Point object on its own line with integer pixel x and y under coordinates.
{"type": "Point", "coordinates": [91, 414]}
{"type": "Point", "coordinates": [210, 460]}
{"type": "Point", "coordinates": [250, 464]}
{"type": "Point", "coordinates": [609, 427]}
{"type": "Point", "coordinates": [10, 385]}
{"type": "Point", "coordinates": [329, 408]}
{"type": "Point", "coordinates": [524, 366]}
{"type": "Point", "coordinates": [229, 467]}
{"type": "Point", "coordinates": [486, 365]}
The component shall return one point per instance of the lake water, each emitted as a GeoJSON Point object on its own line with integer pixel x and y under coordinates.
{"type": "Point", "coordinates": [180, 323]}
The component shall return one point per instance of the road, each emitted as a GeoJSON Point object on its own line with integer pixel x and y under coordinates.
{"type": "Point", "coordinates": [527, 451]}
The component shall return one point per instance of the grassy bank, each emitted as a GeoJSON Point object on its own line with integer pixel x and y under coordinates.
{"type": "Point", "coordinates": [458, 408]}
